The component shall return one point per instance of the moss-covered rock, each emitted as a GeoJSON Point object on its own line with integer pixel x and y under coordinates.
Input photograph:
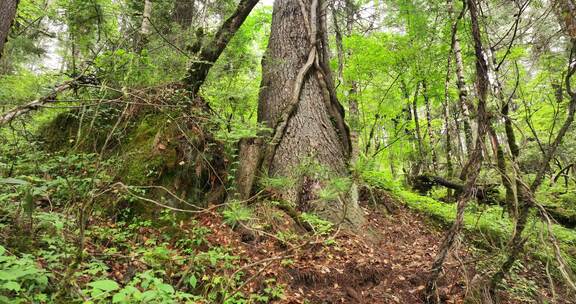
{"type": "Point", "coordinates": [171, 149]}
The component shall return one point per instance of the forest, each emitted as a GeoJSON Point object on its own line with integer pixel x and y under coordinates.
{"type": "Point", "coordinates": [288, 151]}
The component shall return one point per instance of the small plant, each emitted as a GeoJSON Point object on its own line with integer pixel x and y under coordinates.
{"type": "Point", "coordinates": [321, 227]}
{"type": "Point", "coordinates": [335, 188]}
{"type": "Point", "coordinates": [274, 184]}
{"type": "Point", "coordinates": [272, 291]}
{"type": "Point", "coordinates": [235, 213]}
{"type": "Point", "coordinates": [146, 287]}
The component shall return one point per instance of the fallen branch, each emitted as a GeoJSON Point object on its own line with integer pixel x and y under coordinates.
{"type": "Point", "coordinates": [9, 116]}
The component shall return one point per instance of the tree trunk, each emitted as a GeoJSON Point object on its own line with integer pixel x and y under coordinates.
{"type": "Point", "coordinates": [464, 103]}
{"type": "Point", "coordinates": [501, 165]}
{"type": "Point", "coordinates": [145, 26]}
{"type": "Point", "coordinates": [472, 168]}
{"type": "Point", "coordinates": [7, 15]}
{"type": "Point", "coordinates": [353, 109]}
{"type": "Point", "coordinates": [446, 109]}
{"type": "Point", "coordinates": [429, 125]}
{"type": "Point", "coordinates": [417, 126]}
{"type": "Point", "coordinates": [296, 103]}
{"type": "Point", "coordinates": [198, 70]}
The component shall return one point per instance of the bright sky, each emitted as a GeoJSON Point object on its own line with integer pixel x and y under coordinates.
{"type": "Point", "coordinates": [268, 2]}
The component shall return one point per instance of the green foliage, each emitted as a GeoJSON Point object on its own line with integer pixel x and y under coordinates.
{"type": "Point", "coordinates": [490, 226]}
{"type": "Point", "coordinates": [236, 213]}
{"type": "Point", "coordinates": [21, 281]}
{"type": "Point", "coordinates": [146, 287]}
{"type": "Point", "coordinates": [335, 188]}
{"type": "Point", "coordinates": [320, 226]}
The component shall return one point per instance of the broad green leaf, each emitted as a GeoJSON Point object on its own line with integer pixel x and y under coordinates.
{"type": "Point", "coordinates": [193, 281]}
{"type": "Point", "coordinates": [15, 274]}
{"type": "Point", "coordinates": [13, 286]}
{"type": "Point", "coordinates": [105, 285]}
{"type": "Point", "coordinates": [166, 288]}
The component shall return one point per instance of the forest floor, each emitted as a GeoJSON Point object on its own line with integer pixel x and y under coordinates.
{"type": "Point", "coordinates": [387, 263]}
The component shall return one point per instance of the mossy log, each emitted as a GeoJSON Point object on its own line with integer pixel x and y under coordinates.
{"type": "Point", "coordinates": [486, 194]}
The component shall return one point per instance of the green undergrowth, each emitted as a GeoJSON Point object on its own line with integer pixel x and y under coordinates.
{"type": "Point", "coordinates": [486, 226]}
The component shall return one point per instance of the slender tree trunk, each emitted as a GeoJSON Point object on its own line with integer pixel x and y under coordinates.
{"type": "Point", "coordinates": [430, 130]}
{"type": "Point", "coordinates": [446, 110]}
{"type": "Point", "coordinates": [7, 15]}
{"type": "Point", "coordinates": [418, 131]}
{"type": "Point", "coordinates": [473, 166]}
{"type": "Point", "coordinates": [353, 108]}
{"type": "Point", "coordinates": [464, 102]}
{"type": "Point", "coordinates": [184, 11]}
{"type": "Point", "coordinates": [298, 104]}
{"type": "Point", "coordinates": [145, 26]}
{"type": "Point", "coordinates": [502, 168]}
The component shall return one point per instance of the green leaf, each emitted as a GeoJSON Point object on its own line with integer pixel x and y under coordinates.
{"type": "Point", "coordinates": [13, 181]}
{"type": "Point", "coordinates": [167, 288]}
{"type": "Point", "coordinates": [14, 286]}
{"type": "Point", "coordinates": [14, 274]}
{"type": "Point", "coordinates": [104, 285]}
{"type": "Point", "coordinates": [193, 281]}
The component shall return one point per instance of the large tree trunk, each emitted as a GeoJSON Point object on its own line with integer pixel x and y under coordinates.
{"type": "Point", "coordinates": [297, 104]}
{"type": "Point", "coordinates": [7, 15]}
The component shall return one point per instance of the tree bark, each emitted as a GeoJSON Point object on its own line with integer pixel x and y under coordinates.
{"type": "Point", "coordinates": [501, 165]}
{"type": "Point", "coordinates": [353, 109]}
{"type": "Point", "coordinates": [446, 108]}
{"type": "Point", "coordinates": [417, 126]}
{"type": "Point", "coordinates": [198, 70]}
{"type": "Point", "coordinates": [464, 102]}
{"type": "Point", "coordinates": [296, 103]}
{"type": "Point", "coordinates": [145, 26]}
{"type": "Point", "coordinates": [7, 15]}
{"type": "Point", "coordinates": [429, 125]}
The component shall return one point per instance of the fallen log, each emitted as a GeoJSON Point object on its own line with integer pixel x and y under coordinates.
{"type": "Point", "coordinates": [486, 194]}
{"type": "Point", "coordinates": [563, 217]}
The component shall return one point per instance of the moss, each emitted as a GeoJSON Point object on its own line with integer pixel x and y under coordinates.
{"type": "Point", "coordinates": [489, 225]}
{"type": "Point", "coordinates": [60, 132]}
{"type": "Point", "coordinates": [144, 156]}
{"type": "Point", "coordinates": [149, 147]}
